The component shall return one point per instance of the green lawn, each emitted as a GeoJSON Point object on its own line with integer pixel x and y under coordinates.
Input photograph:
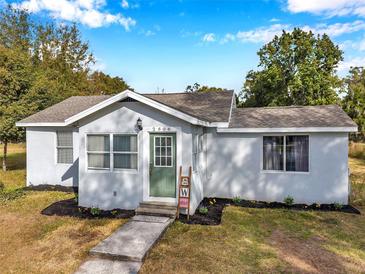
{"type": "Point", "coordinates": [248, 240]}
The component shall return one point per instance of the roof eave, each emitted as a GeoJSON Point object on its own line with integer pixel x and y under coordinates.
{"type": "Point", "coordinates": [285, 130]}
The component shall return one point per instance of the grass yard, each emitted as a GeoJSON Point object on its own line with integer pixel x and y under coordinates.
{"type": "Point", "coordinates": [33, 243]}
{"type": "Point", "coordinates": [248, 240]}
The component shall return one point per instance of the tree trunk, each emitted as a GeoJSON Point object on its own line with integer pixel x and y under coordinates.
{"type": "Point", "coordinates": [5, 154]}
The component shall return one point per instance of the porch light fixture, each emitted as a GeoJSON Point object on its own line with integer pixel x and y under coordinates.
{"type": "Point", "coordinates": [139, 123]}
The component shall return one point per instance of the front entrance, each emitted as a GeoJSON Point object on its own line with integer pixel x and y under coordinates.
{"type": "Point", "coordinates": [162, 166]}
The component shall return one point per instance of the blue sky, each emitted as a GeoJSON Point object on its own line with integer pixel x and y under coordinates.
{"type": "Point", "coordinates": [168, 44]}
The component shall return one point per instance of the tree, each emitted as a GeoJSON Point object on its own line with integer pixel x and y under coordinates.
{"type": "Point", "coordinates": [296, 68]}
{"type": "Point", "coordinates": [15, 80]}
{"type": "Point", "coordinates": [354, 100]}
{"type": "Point", "coordinates": [198, 88]}
{"type": "Point", "coordinates": [40, 65]}
{"type": "Point", "coordinates": [101, 83]}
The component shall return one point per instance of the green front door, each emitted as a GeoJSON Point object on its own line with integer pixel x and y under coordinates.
{"type": "Point", "coordinates": [162, 165]}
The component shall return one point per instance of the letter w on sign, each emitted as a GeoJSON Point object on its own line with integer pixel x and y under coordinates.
{"type": "Point", "coordinates": [184, 192]}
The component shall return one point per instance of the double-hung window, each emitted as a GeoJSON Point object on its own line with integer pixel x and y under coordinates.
{"type": "Point", "coordinates": [286, 153]}
{"type": "Point", "coordinates": [125, 151]}
{"type": "Point", "coordinates": [98, 151]}
{"type": "Point", "coordinates": [64, 147]}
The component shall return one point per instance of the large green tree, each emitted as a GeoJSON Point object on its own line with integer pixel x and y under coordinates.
{"type": "Point", "coordinates": [295, 68]}
{"type": "Point", "coordinates": [40, 65]}
{"type": "Point", "coordinates": [354, 100]}
{"type": "Point", "coordinates": [15, 104]}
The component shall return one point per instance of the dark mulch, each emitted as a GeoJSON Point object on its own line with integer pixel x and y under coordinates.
{"type": "Point", "coordinates": [70, 208]}
{"type": "Point", "coordinates": [68, 189]}
{"type": "Point", "coordinates": [215, 208]}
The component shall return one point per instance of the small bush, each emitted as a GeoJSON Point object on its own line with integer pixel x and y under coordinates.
{"type": "Point", "coordinates": [338, 206]}
{"type": "Point", "coordinates": [289, 200]}
{"type": "Point", "coordinates": [203, 210]}
{"type": "Point", "coordinates": [236, 200]}
{"type": "Point", "coordinates": [114, 212]}
{"type": "Point", "coordinates": [95, 211]}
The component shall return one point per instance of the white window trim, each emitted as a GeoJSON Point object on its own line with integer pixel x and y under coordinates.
{"type": "Point", "coordinates": [111, 168]}
{"type": "Point", "coordinates": [284, 152]}
{"type": "Point", "coordinates": [57, 147]}
{"type": "Point", "coordinates": [154, 152]}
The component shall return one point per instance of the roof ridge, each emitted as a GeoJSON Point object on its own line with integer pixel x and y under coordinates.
{"type": "Point", "coordinates": [182, 93]}
{"type": "Point", "coordinates": [292, 106]}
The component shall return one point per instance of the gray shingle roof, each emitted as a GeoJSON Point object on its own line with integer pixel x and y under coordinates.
{"type": "Point", "coordinates": [65, 109]}
{"type": "Point", "coordinates": [288, 117]}
{"type": "Point", "coordinates": [209, 106]}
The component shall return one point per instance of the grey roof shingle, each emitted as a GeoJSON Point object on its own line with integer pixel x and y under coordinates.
{"type": "Point", "coordinates": [209, 106]}
{"type": "Point", "coordinates": [65, 109]}
{"type": "Point", "coordinates": [290, 117]}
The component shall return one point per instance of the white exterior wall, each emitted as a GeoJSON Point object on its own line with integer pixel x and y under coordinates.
{"type": "Point", "coordinates": [108, 189]}
{"type": "Point", "coordinates": [234, 168]}
{"type": "Point", "coordinates": [42, 166]}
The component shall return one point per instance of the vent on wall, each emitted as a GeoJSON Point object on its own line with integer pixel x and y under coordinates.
{"type": "Point", "coordinates": [128, 99]}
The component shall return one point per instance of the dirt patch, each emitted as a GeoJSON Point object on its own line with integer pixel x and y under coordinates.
{"type": "Point", "coordinates": [215, 208]}
{"type": "Point", "coordinates": [306, 256]}
{"type": "Point", "coordinates": [70, 208]}
{"type": "Point", "coordinates": [68, 189]}
{"type": "Point", "coordinates": [213, 217]}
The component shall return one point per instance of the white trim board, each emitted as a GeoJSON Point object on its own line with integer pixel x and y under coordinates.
{"type": "Point", "coordinates": [292, 129]}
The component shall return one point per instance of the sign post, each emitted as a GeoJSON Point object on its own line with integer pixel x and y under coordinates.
{"type": "Point", "coordinates": [184, 192]}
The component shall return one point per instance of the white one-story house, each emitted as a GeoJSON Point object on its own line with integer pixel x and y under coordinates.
{"type": "Point", "coordinates": [124, 149]}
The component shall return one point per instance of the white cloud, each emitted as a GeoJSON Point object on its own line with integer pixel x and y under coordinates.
{"type": "Point", "coordinates": [328, 7]}
{"type": "Point", "coordinates": [208, 37]}
{"type": "Point", "coordinates": [354, 62]}
{"type": "Point", "coordinates": [262, 34]}
{"type": "Point", "coordinates": [87, 12]}
{"type": "Point", "coordinates": [274, 20]}
{"type": "Point", "coordinates": [337, 29]}
{"type": "Point", "coordinates": [228, 38]}
{"type": "Point", "coordinates": [267, 33]}
{"type": "Point", "coordinates": [125, 4]}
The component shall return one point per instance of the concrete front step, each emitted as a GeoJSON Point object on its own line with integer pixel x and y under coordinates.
{"type": "Point", "coordinates": [162, 205]}
{"type": "Point", "coordinates": [151, 211]}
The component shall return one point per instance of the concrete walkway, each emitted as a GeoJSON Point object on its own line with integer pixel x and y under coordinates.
{"type": "Point", "coordinates": [125, 250]}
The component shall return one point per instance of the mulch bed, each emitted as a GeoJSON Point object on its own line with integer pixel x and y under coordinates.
{"type": "Point", "coordinates": [70, 208]}
{"type": "Point", "coordinates": [215, 208]}
{"type": "Point", "coordinates": [68, 189]}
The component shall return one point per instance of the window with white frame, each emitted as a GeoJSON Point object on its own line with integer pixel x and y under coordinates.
{"type": "Point", "coordinates": [286, 153]}
{"type": "Point", "coordinates": [98, 151]}
{"type": "Point", "coordinates": [64, 147]}
{"type": "Point", "coordinates": [125, 151]}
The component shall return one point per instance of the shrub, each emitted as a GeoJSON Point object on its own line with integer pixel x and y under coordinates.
{"type": "Point", "coordinates": [289, 200]}
{"type": "Point", "coordinates": [203, 210]}
{"type": "Point", "coordinates": [114, 212]}
{"type": "Point", "coordinates": [337, 206]}
{"type": "Point", "coordinates": [236, 200]}
{"type": "Point", "coordinates": [95, 211]}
